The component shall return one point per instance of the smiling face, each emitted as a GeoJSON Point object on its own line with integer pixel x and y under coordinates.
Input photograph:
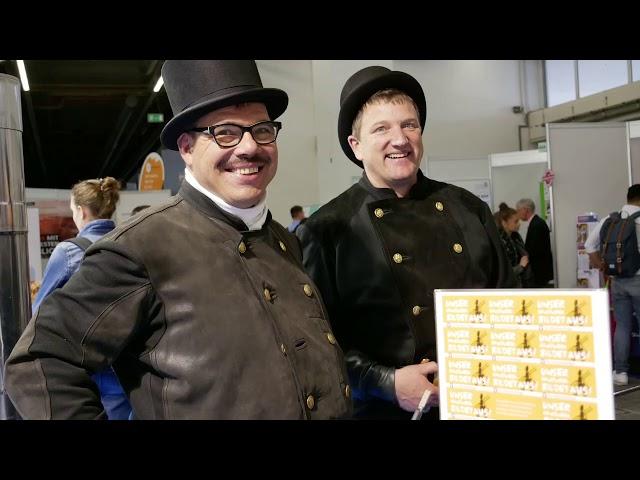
{"type": "Point", "coordinates": [240, 174]}
{"type": "Point", "coordinates": [389, 144]}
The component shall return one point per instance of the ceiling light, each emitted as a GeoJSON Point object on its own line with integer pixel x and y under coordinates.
{"type": "Point", "coordinates": [158, 85]}
{"type": "Point", "coordinates": [23, 75]}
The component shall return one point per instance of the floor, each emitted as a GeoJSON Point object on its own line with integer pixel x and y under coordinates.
{"type": "Point", "coordinates": [628, 404]}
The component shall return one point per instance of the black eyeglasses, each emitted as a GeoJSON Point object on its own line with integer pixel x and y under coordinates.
{"type": "Point", "coordinates": [229, 134]}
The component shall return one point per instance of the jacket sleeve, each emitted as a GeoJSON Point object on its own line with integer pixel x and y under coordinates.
{"type": "Point", "coordinates": [366, 377]}
{"type": "Point", "coordinates": [78, 330]}
{"type": "Point", "coordinates": [56, 273]}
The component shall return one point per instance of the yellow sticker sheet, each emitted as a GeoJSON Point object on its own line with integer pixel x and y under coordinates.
{"type": "Point", "coordinates": [524, 354]}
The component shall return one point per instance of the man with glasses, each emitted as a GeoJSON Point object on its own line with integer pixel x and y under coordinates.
{"type": "Point", "coordinates": [201, 305]}
{"type": "Point", "coordinates": [378, 250]}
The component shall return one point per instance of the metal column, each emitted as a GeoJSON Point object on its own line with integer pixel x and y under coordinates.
{"type": "Point", "coordinates": [15, 301]}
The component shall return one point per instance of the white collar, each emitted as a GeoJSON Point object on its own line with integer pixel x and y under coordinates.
{"type": "Point", "coordinates": [253, 217]}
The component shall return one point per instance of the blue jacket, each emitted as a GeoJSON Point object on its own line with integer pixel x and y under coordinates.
{"type": "Point", "coordinates": [64, 262]}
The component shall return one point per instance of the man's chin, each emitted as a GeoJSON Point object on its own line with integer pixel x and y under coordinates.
{"type": "Point", "coordinates": [248, 200]}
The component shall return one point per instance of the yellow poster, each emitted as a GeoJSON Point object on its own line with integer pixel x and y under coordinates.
{"type": "Point", "coordinates": [524, 354]}
{"type": "Point", "coordinates": [151, 173]}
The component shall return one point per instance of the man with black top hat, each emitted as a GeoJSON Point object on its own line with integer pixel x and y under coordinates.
{"type": "Point", "coordinates": [379, 249]}
{"type": "Point", "coordinates": [201, 304]}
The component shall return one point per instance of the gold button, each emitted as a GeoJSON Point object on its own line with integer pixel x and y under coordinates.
{"type": "Point", "coordinates": [439, 206]}
{"type": "Point", "coordinates": [282, 247]}
{"type": "Point", "coordinates": [311, 402]}
{"type": "Point", "coordinates": [397, 258]}
{"type": "Point", "coordinates": [416, 310]}
{"type": "Point", "coordinates": [307, 290]}
{"type": "Point", "coordinates": [378, 213]}
{"type": "Point", "coordinates": [347, 391]}
{"type": "Point", "coordinates": [284, 350]}
{"type": "Point", "coordinates": [457, 248]}
{"type": "Point", "coordinates": [331, 338]}
{"type": "Point", "coordinates": [242, 247]}
{"type": "Point", "coordinates": [267, 295]}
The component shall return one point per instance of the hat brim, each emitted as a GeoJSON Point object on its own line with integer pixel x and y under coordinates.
{"type": "Point", "coordinates": [352, 104]}
{"type": "Point", "coordinates": [275, 101]}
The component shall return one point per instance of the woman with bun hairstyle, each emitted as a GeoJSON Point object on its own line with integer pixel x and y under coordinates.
{"type": "Point", "coordinates": [508, 223]}
{"type": "Point", "coordinates": [92, 204]}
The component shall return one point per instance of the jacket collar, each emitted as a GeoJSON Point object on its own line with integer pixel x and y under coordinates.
{"type": "Point", "coordinates": [418, 191]}
{"type": "Point", "coordinates": [209, 208]}
{"type": "Point", "coordinates": [99, 226]}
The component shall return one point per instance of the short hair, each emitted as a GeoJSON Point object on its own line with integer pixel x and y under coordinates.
{"type": "Point", "coordinates": [633, 194]}
{"type": "Point", "coordinates": [390, 95]}
{"type": "Point", "coordinates": [139, 208]}
{"type": "Point", "coordinates": [295, 210]}
{"type": "Point", "coordinates": [527, 203]}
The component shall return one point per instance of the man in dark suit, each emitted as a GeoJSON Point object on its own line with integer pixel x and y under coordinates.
{"type": "Point", "coordinates": [379, 249]}
{"type": "Point", "coordinates": [538, 243]}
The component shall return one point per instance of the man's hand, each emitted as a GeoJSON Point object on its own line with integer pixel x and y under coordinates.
{"type": "Point", "coordinates": [411, 382]}
{"type": "Point", "coordinates": [524, 261]}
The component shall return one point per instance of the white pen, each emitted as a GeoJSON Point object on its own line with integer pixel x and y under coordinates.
{"type": "Point", "coordinates": [422, 406]}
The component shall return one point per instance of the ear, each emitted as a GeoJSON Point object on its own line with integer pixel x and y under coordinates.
{"type": "Point", "coordinates": [354, 143]}
{"type": "Point", "coordinates": [86, 214]}
{"type": "Point", "coordinates": [186, 143]}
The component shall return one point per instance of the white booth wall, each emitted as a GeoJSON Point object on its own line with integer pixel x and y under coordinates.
{"type": "Point", "coordinates": [634, 150]}
{"type": "Point", "coordinates": [591, 166]}
{"type": "Point", "coordinates": [469, 115]}
{"type": "Point", "coordinates": [517, 175]}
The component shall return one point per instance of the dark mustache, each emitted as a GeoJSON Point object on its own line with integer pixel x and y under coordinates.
{"type": "Point", "coordinates": [253, 161]}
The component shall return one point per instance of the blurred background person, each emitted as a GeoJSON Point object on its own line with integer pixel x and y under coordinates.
{"type": "Point", "coordinates": [138, 209]}
{"type": "Point", "coordinates": [538, 243]}
{"type": "Point", "coordinates": [298, 218]}
{"type": "Point", "coordinates": [508, 223]}
{"type": "Point", "coordinates": [92, 204]}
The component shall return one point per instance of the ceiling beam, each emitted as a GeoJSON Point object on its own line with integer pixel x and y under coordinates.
{"type": "Point", "coordinates": [81, 90]}
{"type": "Point", "coordinates": [34, 129]}
{"type": "Point", "coordinates": [117, 150]}
{"type": "Point", "coordinates": [121, 124]}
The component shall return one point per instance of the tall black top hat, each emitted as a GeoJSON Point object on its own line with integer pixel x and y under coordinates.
{"type": "Point", "coordinates": [361, 86]}
{"type": "Point", "coordinates": [197, 87]}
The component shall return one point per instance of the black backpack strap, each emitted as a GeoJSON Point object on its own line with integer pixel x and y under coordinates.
{"type": "Point", "coordinates": [606, 230]}
{"type": "Point", "coordinates": [80, 242]}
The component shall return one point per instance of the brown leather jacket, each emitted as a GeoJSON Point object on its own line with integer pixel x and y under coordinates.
{"type": "Point", "coordinates": [200, 319]}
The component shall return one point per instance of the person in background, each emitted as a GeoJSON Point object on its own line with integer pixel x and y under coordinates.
{"type": "Point", "coordinates": [625, 288]}
{"type": "Point", "coordinates": [92, 204]}
{"type": "Point", "coordinates": [201, 304]}
{"type": "Point", "coordinates": [138, 209]}
{"type": "Point", "coordinates": [379, 249]}
{"type": "Point", "coordinates": [298, 218]}
{"type": "Point", "coordinates": [508, 223]}
{"type": "Point", "coordinates": [537, 244]}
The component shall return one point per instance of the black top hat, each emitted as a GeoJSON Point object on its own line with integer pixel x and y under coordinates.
{"type": "Point", "coordinates": [197, 87]}
{"type": "Point", "coordinates": [361, 86]}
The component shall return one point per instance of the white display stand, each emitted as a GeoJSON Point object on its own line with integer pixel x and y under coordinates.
{"type": "Point", "coordinates": [587, 277]}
